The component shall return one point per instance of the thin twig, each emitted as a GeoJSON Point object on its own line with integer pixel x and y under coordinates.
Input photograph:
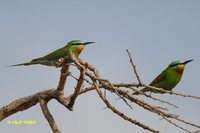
{"type": "Point", "coordinates": [187, 123]}
{"type": "Point", "coordinates": [145, 105]}
{"type": "Point", "coordinates": [171, 92]}
{"type": "Point", "coordinates": [86, 80]}
{"type": "Point", "coordinates": [198, 131]}
{"type": "Point", "coordinates": [156, 99]}
{"type": "Point", "coordinates": [176, 125]}
{"type": "Point", "coordinates": [134, 67]}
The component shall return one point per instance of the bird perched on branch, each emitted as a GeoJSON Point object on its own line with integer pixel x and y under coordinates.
{"type": "Point", "coordinates": [168, 78]}
{"type": "Point", "coordinates": [56, 57]}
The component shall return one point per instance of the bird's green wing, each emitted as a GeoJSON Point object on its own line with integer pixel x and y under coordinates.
{"type": "Point", "coordinates": [49, 59]}
{"type": "Point", "coordinates": [57, 54]}
{"type": "Point", "coordinates": [161, 77]}
{"type": "Point", "coordinates": [159, 81]}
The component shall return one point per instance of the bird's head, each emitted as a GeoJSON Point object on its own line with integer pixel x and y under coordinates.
{"type": "Point", "coordinates": [76, 46]}
{"type": "Point", "coordinates": [178, 65]}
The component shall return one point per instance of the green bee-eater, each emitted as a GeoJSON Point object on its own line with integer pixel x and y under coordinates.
{"type": "Point", "coordinates": [56, 57]}
{"type": "Point", "coordinates": [168, 78]}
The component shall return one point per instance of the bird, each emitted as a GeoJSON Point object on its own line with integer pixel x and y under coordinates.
{"type": "Point", "coordinates": [56, 57]}
{"type": "Point", "coordinates": [168, 78]}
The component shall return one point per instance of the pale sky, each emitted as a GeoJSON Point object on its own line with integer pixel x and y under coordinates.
{"type": "Point", "coordinates": [155, 32]}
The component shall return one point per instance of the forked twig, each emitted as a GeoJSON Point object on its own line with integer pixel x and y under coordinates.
{"type": "Point", "coordinates": [91, 75]}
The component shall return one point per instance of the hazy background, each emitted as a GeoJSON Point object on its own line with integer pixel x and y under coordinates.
{"type": "Point", "coordinates": [156, 32]}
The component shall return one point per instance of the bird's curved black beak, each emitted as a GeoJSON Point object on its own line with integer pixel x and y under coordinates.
{"type": "Point", "coordinates": [187, 61]}
{"type": "Point", "coordinates": [86, 43]}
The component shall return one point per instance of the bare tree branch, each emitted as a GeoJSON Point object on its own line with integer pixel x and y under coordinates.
{"type": "Point", "coordinates": [79, 83]}
{"type": "Point", "coordinates": [96, 73]}
{"type": "Point", "coordinates": [109, 105]}
{"type": "Point", "coordinates": [63, 77]}
{"type": "Point", "coordinates": [48, 116]}
{"type": "Point", "coordinates": [95, 81]}
{"type": "Point", "coordinates": [22, 104]}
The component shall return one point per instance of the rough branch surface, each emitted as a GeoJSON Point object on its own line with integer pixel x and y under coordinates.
{"type": "Point", "coordinates": [95, 82]}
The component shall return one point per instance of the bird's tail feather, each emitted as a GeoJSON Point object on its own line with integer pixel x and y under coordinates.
{"type": "Point", "coordinates": [142, 90]}
{"type": "Point", "coordinates": [25, 64]}
{"type": "Point", "coordinates": [32, 62]}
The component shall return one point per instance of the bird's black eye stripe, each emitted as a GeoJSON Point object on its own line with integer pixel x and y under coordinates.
{"type": "Point", "coordinates": [76, 44]}
{"type": "Point", "coordinates": [175, 64]}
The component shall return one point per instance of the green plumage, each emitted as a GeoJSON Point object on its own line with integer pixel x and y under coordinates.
{"type": "Point", "coordinates": [56, 57]}
{"type": "Point", "coordinates": [168, 78]}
